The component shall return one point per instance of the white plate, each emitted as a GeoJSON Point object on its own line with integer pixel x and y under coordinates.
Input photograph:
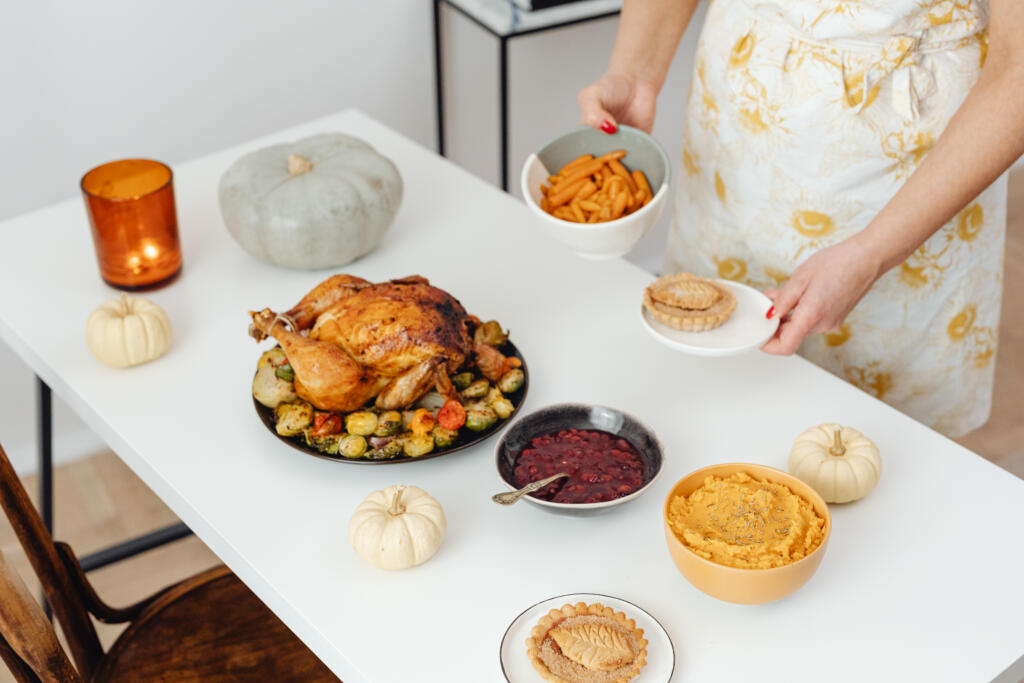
{"type": "Point", "coordinates": [661, 657]}
{"type": "Point", "coordinates": [746, 329]}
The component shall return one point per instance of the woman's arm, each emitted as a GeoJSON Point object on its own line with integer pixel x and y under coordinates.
{"type": "Point", "coordinates": [982, 140]}
{"type": "Point", "coordinates": [649, 33]}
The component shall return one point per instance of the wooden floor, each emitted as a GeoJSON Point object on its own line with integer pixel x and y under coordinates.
{"type": "Point", "coordinates": [99, 501]}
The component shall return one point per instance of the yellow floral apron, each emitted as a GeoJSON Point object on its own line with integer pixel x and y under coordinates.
{"type": "Point", "coordinates": [804, 118]}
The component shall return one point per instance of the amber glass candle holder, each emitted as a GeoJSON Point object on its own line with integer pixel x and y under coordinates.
{"type": "Point", "coordinates": [134, 223]}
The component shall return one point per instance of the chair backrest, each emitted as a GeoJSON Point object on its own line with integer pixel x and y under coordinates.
{"type": "Point", "coordinates": [28, 643]}
{"type": "Point", "coordinates": [60, 590]}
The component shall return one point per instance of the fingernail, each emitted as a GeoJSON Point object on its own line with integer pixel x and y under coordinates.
{"type": "Point", "coordinates": [608, 127]}
{"type": "Point", "coordinates": [770, 313]}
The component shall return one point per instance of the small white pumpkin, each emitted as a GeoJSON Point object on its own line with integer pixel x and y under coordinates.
{"type": "Point", "coordinates": [128, 331]}
{"type": "Point", "coordinates": [317, 203]}
{"type": "Point", "coordinates": [838, 462]}
{"type": "Point", "coordinates": [397, 527]}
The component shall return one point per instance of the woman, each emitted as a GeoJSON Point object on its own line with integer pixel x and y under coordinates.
{"type": "Point", "coordinates": [845, 156]}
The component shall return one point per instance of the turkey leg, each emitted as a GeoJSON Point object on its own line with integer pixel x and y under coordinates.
{"type": "Point", "coordinates": [325, 375]}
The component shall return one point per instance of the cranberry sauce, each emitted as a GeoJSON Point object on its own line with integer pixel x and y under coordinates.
{"type": "Point", "coordinates": [601, 466]}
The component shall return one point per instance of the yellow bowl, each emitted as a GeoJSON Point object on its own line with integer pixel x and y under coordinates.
{"type": "Point", "coordinates": [745, 586]}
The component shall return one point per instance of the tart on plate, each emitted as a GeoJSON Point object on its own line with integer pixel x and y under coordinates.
{"type": "Point", "coordinates": [584, 643]}
{"type": "Point", "coordinates": [687, 302]}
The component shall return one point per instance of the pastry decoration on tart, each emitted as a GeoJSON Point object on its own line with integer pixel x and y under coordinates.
{"type": "Point", "coordinates": [687, 302]}
{"type": "Point", "coordinates": [584, 643]}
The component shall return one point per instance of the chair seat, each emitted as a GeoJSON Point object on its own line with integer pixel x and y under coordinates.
{"type": "Point", "coordinates": [210, 628]}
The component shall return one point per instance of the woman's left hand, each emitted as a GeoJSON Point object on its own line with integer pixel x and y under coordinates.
{"type": "Point", "coordinates": [821, 292]}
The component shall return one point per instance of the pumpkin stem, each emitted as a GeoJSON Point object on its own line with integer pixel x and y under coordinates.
{"type": "Point", "coordinates": [298, 164]}
{"type": "Point", "coordinates": [125, 308]}
{"type": "Point", "coordinates": [396, 503]}
{"type": "Point", "coordinates": [837, 444]}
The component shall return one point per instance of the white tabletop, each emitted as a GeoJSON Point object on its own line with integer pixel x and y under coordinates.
{"type": "Point", "coordinates": [921, 580]}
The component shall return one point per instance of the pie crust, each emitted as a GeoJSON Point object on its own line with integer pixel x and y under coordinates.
{"type": "Point", "coordinates": [584, 643]}
{"type": "Point", "coordinates": [687, 302]}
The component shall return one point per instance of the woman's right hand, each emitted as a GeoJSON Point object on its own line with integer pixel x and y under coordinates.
{"type": "Point", "coordinates": [616, 99]}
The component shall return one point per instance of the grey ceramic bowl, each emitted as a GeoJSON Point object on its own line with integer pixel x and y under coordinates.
{"type": "Point", "coordinates": [612, 238]}
{"type": "Point", "coordinates": [579, 416]}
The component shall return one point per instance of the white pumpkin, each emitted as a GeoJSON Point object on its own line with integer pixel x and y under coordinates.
{"type": "Point", "coordinates": [838, 462]}
{"type": "Point", "coordinates": [128, 331]}
{"type": "Point", "coordinates": [317, 203]}
{"type": "Point", "coordinates": [397, 527]}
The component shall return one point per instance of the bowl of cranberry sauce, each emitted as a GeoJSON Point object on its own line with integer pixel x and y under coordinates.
{"type": "Point", "coordinates": [610, 457]}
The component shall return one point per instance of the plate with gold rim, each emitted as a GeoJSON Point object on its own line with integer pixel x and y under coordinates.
{"type": "Point", "coordinates": [517, 668]}
{"type": "Point", "coordinates": [748, 327]}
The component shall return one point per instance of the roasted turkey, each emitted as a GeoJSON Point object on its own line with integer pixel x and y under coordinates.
{"type": "Point", "coordinates": [349, 341]}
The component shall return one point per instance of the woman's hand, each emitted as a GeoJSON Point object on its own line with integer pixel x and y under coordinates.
{"type": "Point", "coordinates": [821, 293]}
{"type": "Point", "coordinates": [616, 99]}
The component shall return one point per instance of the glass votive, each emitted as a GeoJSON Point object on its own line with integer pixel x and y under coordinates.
{"type": "Point", "coordinates": [134, 224]}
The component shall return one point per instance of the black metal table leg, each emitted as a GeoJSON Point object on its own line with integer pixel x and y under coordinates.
{"type": "Point", "coordinates": [100, 558]}
{"type": "Point", "coordinates": [44, 405]}
{"type": "Point", "coordinates": [438, 77]}
{"type": "Point", "coordinates": [503, 107]}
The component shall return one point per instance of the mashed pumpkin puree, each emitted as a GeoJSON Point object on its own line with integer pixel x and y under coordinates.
{"type": "Point", "coordinates": [746, 523]}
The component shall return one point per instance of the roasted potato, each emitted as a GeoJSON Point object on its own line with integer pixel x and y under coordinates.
{"type": "Point", "coordinates": [352, 446]}
{"type": "Point", "coordinates": [503, 408]}
{"type": "Point", "coordinates": [272, 359]}
{"type": "Point", "coordinates": [511, 381]}
{"type": "Point", "coordinates": [416, 445]}
{"type": "Point", "coordinates": [361, 422]}
{"type": "Point", "coordinates": [292, 418]}
{"type": "Point", "coordinates": [271, 390]}
{"type": "Point", "coordinates": [388, 423]}
{"type": "Point", "coordinates": [479, 419]}
{"type": "Point", "coordinates": [491, 333]}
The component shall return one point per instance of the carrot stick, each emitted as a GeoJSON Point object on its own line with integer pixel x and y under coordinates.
{"type": "Point", "coordinates": [619, 205]}
{"type": "Point", "coordinates": [574, 163]}
{"type": "Point", "coordinates": [565, 191]}
{"type": "Point", "coordinates": [641, 182]}
{"type": "Point", "coordinates": [620, 170]}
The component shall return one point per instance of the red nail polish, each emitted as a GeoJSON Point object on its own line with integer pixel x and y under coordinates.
{"type": "Point", "coordinates": [770, 313]}
{"type": "Point", "coordinates": [608, 127]}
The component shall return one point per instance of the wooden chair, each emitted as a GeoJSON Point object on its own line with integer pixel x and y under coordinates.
{"type": "Point", "coordinates": [209, 627]}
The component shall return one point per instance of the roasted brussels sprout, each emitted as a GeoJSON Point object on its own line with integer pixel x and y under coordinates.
{"type": "Point", "coordinates": [511, 381]}
{"type": "Point", "coordinates": [503, 408]}
{"type": "Point", "coordinates": [479, 419]}
{"type": "Point", "coordinates": [392, 449]}
{"type": "Point", "coordinates": [351, 446]}
{"type": "Point", "coordinates": [443, 438]}
{"type": "Point", "coordinates": [416, 445]}
{"type": "Point", "coordinates": [271, 359]}
{"type": "Point", "coordinates": [361, 422]}
{"type": "Point", "coordinates": [493, 394]}
{"type": "Point", "coordinates": [491, 333]}
{"type": "Point", "coordinates": [271, 390]}
{"type": "Point", "coordinates": [462, 380]}
{"type": "Point", "coordinates": [292, 418]}
{"type": "Point", "coordinates": [285, 372]}
{"type": "Point", "coordinates": [325, 444]}
{"type": "Point", "coordinates": [388, 423]}
{"type": "Point", "coordinates": [477, 389]}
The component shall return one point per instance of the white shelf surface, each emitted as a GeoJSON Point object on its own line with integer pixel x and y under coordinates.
{"type": "Point", "coordinates": [922, 580]}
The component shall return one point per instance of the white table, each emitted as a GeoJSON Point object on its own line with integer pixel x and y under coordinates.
{"type": "Point", "coordinates": [921, 581]}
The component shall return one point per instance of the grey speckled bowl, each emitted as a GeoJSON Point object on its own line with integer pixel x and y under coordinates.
{"type": "Point", "coordinates": [579, 416]}
{"type": "Point", "coordinates": [612, 238]}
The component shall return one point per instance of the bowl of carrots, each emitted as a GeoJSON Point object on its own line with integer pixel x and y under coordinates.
{"type": "Point", "coordinates": [598, 193]}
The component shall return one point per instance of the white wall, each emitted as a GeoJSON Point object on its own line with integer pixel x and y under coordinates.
{"type": "Point", "coordinates": [83, 83]}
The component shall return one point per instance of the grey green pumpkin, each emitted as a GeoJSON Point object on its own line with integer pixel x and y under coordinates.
{"type": "Point", "coordinates": [317, 203]}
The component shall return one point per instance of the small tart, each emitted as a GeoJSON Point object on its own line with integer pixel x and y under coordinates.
{"type": "Point", "coordinates": [584, 643]}
{"type": "Point", "coordinates": [690, 293]}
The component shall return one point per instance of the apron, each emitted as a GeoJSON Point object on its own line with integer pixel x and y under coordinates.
{"type": "Point", "coordinates": [804, 118]}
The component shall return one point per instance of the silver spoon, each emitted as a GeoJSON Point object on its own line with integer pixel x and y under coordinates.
{"type": "Point", "coordinates": [509, 497]}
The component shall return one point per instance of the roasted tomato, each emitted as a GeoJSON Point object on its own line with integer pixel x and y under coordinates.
{"type": "Point", "coordinates": [452, 415]}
